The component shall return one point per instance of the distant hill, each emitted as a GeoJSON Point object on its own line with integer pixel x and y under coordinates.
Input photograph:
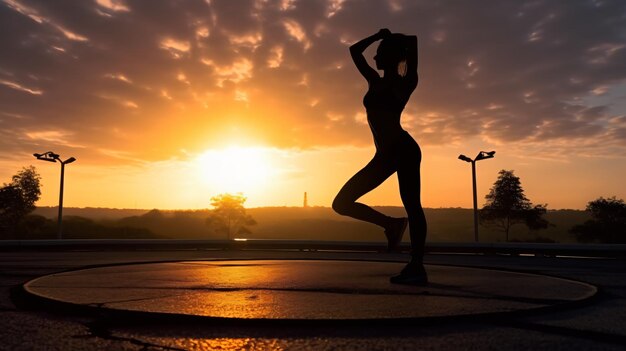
{"type": "Point", "coordinates": [96, 213]}
{"type": "Point", "coordinates": [322, 223]}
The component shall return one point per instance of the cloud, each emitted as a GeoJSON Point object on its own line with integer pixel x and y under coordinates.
{"type": "Point", "coordinates": [151, 78]}
{"type": "Point", "coordinates": [19, 87]}
{"type": "Point", "coordinates": [276, 57]}
{"type": "Point", "coordinates": [113, 5]}
{"type": "Point", "coordinates": [238, 71]}
{"type": "Point", "coordinates": [34, 15]}
{"type": "Point", "coordinates": [59, 137]}
{"type": "Point", "coordinates": [176, 47]}
{"type": "Point", "coordinates": [295, 30]}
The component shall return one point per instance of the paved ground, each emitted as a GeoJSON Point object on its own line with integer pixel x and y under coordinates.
{"type": "Point", "coordinates": [301, 290]}
{"type": "Point", "coordinates": [598, 324]}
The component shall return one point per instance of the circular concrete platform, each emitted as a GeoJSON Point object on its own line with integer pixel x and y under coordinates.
{"type": "Point", "coordinates": [303, 290]}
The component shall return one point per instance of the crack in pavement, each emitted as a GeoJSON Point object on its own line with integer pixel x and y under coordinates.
{"type": "Point", "coordinates": [103, 304]}
{"type": "Point", "coordinates": [98, 330]}
{"type": "Point", "coordinates": [330, 290]}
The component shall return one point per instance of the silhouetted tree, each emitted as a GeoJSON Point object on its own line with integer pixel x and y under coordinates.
{"type": "Point", "coordinates": [507, 205]}
{"type": "Point", "coordinates": [228, 215]}
{"type": "Point", "coordinates": [17, 199]}
{"type": "Point", "coordinates": [77, 227]}
{"type": "Point", "coordinates": [34, 226]}
{"type": "Point", "coordinates": [534, 218]}
{"type": "Point", "coordinates": [607, 223]}
{"type": "Point", "coordinates": [153, 215]}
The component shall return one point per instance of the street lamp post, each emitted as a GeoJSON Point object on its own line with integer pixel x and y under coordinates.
{"type": "Point", "coordinates": [52, 157]}
{"type": "Point", "coordinates": [481, 156]}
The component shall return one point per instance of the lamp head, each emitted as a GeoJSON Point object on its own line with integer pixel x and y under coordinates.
{"type": "Point", "coordinates": [69, 160]}
{"type": "Point", "coordinates": [485, 154]}
{"type": "Point", "coordinates": [465, 158]}
{"type": "Point", "coordinates": [47, 156]}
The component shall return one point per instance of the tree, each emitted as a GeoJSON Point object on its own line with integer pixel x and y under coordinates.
{"type": "Point", "coordinates": [228, 215]}
{"type": "Point", "coordinates": [507, 206]}
{"type": "Point", "coordinates": [607, 223]}
{"type": "Point", "coordinates": [34, 226]}
{"type": "Point", "coordinates": [534, 218]}
{"type": "Point", "coordinates": [17, 199]}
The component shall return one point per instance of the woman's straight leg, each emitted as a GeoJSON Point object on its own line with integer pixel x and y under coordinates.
{"type": "Point", "coordinates": [410, 191]}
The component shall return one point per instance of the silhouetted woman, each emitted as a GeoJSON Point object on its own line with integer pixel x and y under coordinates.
{"type": "Point", "coordinates": [396, 151]}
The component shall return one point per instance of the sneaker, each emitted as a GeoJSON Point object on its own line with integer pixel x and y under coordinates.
{"type": "Point", "coordinates": [395, 232]}
{"type": "Point", "coordinates": [411, 275]}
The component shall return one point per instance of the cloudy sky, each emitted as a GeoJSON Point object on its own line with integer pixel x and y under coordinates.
{"type": "Point", "coordinates": [163, 101]}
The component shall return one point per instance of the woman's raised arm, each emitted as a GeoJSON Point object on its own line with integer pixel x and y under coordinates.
{"type": "Point", "coordinates": [411, 57]}
{"type": "Point", "coordinates": [356, 51]}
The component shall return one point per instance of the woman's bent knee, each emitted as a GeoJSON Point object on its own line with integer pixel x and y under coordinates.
{"type": "Point", "coordinates": [341, 205]}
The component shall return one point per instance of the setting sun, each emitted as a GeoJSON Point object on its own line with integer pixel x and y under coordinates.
{"type": "Point", "coordinates": [235, 169]}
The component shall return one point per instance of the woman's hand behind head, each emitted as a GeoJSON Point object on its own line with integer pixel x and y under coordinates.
{"type": "Point", "coordinates": [384, 33]}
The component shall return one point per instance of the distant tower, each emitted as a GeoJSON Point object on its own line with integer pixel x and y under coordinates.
{"type": "Point", "coordinates": [306, 202]}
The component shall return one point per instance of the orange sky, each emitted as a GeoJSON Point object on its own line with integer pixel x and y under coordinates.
{"type": "Point", "coordinates": [168, 103]}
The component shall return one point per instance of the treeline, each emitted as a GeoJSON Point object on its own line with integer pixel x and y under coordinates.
{"type": "Point", "coordinates": [35, 226]}
{"type": "Point", "coordinates": [289, 223]}
{"type": "Point", "coordinates": [90, 212]}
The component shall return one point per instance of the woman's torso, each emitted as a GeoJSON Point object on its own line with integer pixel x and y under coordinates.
{"type": "Point", "coordinates": [384, 102]}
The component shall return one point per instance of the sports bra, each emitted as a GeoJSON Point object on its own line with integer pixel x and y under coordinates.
{"type": "Point", "coordinates": [381, 97]}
